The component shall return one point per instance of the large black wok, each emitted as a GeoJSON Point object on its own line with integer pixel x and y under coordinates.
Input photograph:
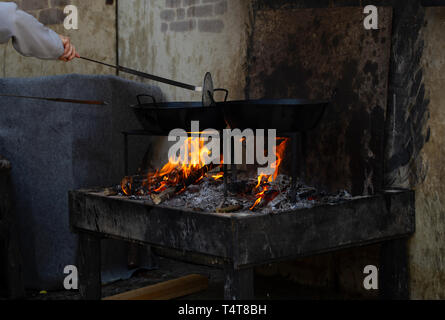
{"type": "Point", "coordinates": [161, 118]}
{"type": "Point", "coordinates": [284, 115]}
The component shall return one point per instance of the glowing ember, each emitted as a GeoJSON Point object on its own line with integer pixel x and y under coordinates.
{"type": "Point", "coordinates": [174, 174]}
{"type": "Point", "coordinates": [126, 184]}
{"type": "Point", "coordinates": [218, 176]}
{"type": "Point", "coordinates": [264, 196]}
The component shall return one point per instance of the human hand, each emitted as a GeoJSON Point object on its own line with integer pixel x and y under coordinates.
{"type": "Point", "coordinates": [70, 51]}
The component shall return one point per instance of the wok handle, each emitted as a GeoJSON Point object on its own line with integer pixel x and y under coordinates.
{"type": "Point", "coordinates": [138, 97]}
{"type": "Point", "coordinates": [222, 90]}
{"type": "Point", "coordinates": [156, 113]}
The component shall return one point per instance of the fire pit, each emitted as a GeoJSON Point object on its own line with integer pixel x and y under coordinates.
{"type": "Point", "coordinates": [192, 212]}
{"type": "Point", "coordinates": [237, 242]}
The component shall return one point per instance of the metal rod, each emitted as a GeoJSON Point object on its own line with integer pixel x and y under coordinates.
{"type": "Point", "coordinates": [117, 36]}
{"type": "Point", "coordinates": [296, 161]}
{"type": "Point", "coordinates": [91, 102]}
{"type": "Point", "coordinates": [148, 76]}
{"type": "Point", "coordinates": [126, 153]}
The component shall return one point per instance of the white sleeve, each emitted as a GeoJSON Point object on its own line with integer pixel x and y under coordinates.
{"type": "Point", "coordinates": [29, 36]}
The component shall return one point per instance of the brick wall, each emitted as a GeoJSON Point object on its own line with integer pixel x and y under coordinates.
{"type": "Point", "coordinates": [189, 15]}
{"type": "Point", "coordinates": [48, 12]}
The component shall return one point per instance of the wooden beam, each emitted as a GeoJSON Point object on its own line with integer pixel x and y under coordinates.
{"type": "Point", "coordinates": [166, 290]}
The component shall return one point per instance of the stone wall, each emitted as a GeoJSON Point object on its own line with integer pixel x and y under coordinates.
{"type": "Point", "coordinates": [48, 12]}
{"type": "Point", "coordinates": [184, 39]}
{"type": "Point", "coordinates": [187, 15]}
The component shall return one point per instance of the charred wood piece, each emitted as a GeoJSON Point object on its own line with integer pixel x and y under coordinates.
{"type": "Point", "coordinates": [163, 196]}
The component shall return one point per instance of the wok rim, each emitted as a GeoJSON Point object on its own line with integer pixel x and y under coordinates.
{"type": "Point", "coordinates": [177, 105]}
{"type": "Point", "coordinates": [278, 102]}
{"type": "Point", "coordinates": [171, 106]}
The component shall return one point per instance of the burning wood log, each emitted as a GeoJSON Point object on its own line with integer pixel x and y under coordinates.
{"type": "Point", "coordinates": [264, 198]}
{"type": "Point", "coordinates": [110, 192]}
{"type": "Point", "coordinates": [195, 176]}
{"type": "Point", "coordinates": [163, 196]}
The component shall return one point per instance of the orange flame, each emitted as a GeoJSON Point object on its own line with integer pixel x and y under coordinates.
{"type": "Point", "coordinates": [178, 174]}
{"type": "Point", "coordinates": [126, 185]}
{"type": "Point", "coordinates": [218, 176]}
{"type": "Point", "coordinates": [264, 180]}
{"type": "Point", "coordinates": [174, 173]}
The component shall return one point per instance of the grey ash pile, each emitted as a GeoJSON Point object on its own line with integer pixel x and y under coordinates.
{"type": "Point", "coordinates": [208, 196]}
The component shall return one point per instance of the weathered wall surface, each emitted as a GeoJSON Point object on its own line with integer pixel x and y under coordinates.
{"type": "Point", "coordinates": [414, 152]}
{"type": "Point", "coordinates": [309, 53]}
{"type": "Point", "coordinates": [427, 248]}
{"type": "Point", "coordinates": [312, 53]}
{"type": "Point", "coordinates": [95, 38]}
{"type": "Point", "coordinates": [184, 39]}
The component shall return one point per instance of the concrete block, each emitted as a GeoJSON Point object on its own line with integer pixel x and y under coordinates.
{"type": "Point", "coordinates": [214, 26]}
{"type": "Point", "coordinates": [183, 26]}
{"type": "Point", "coordinates": [51, 16]}
{"type": "Point", "coordinates": [34, 4]}
{"type": "Point", "coordinates": [180, 13]}
{"type": "Point", "coordinates": [59, 3]}
{"type": "Point", "coordinates": [221, 8]}
{"type": "Point", "coordinates": [188, 3]}
{"type": "Point", "coordinates": [172, 3]}
{"type": "Point", "coordinates": [200, 11]}
{"type": "Point", "coordinates": [168, 15]}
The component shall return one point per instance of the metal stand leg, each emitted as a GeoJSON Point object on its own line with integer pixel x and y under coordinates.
{"type": "Point", "coordinates": [226, 180]}
{"type": "Point", "coordinates": [141, 256]}
{"type": "Point", "coordinates": [394, 271]}
{"type": "Point", "coordinates": [296, 170]}
{"type": "Point", "coordinates": [224, 166]}
{"type": "Point", "coordinates": [126, 153]}
{"type": "Point", "coordinates": [90, 285]}
{"type": "Point", "coordinates": [238, 284]}
{"type": "Point", "coordinates": [233, 167]}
